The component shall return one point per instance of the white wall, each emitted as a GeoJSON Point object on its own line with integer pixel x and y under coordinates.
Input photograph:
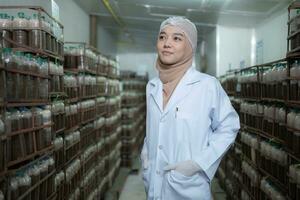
{"type": "Point", "coordinates": [233, 46]}
{"type": "Point", "coordinates": [135, 59]}
{"type": "Point", "coordinates": [106, 41]}
{"type": "Point", "coordinates": [273, 33]}
{"type": "Point", "coordinates": [210, 53]}
{"type": "Point", "coordinates": [237, 44]}
{"type": "Point", "coordinates": [75, 21]}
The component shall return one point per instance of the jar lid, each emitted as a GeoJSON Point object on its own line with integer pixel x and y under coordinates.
{"type": "Point", "coordinates": [21, 14]}
{"type": "Point", "coordinates": [7, 50]}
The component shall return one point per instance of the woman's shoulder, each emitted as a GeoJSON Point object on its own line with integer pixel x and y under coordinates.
{"type": "Point", "coordinates": [207, 79]}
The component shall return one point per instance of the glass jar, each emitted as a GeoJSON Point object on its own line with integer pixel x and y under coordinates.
{"type": "Point", "coordinates": [8, 58]}
{"type": "Point", "coordinates": [43, 89]}
{"type": "Point", "coordinates": [20, 34]}
{"type": "Point", "coordinates": [2, 126]}
{"type": "Point", "coordinates": [5, 22]}
{"type": "Point", "coordinates": [24, 183]}
{"type": "Point", "coordinates": [44, 67]}
{"type": "Point", "coordinates": [294, 71]}
{"type": "Point", "coordinates": [37, 116]}
{"type": "Point", "coordinates": [54, 45]}
{"type": "Point", "coordinates": [5, 25]}
{"type": "Point", "coordinates": [34, 173]}
{"type": "Point", "coordinates": [291, 119]}
{"type": "Point", "coordinates": [15, 120]}
{"type": "Point", "coordinates": [35, 39]}
{"type": "Point", "coordinates": [35, 35]}
{"type": "Point", "coordinates": [43, 169]}
{"type": "Point", "coordinates": [14, 188]}
{"type": "Point", "coordinates": [26, 116]}
{"type": "Point", "coordinates": [47, 137]}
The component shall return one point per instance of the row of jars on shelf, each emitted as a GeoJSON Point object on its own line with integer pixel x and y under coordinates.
{"type": "Point", "coordinates": [135, 85]}
{"type": "Point", "coordinates": [268, 188]}
{"type": "Point", "coordinates": [20, 122]}
{"type": "Point", "coordinates": [34, 32]}
{"type": "Point", "coordinates": [90, 104]}
{"type": "Point", "coordinates": [268, 149]}
{"type": "Point", "coordinates": [273, 112]}
{"type": "Point", "coordinates": [77, 136]}
{"type": "Point", "coordinates": [294, 27]}
{"type": "Point", "coordinates": [25, 118]}
{"type": "Point", "coordinates": [271, 190]}
{"type": "Point", "coordinates": [277, 73]}
{"type": "Point", "coordinates": [31, 175]}
{"type": "Point", "coordinates": [21, 87]}
{"type": "Point", "coordinates": [21, 21]}
{"type": "Point", "coordinates": [71, 80]}
{"type": "Point", "coordinates": [81, 79]}
{"type": "Point", "coordinates": [251, 172]}
{"type": "Point", "coordinates": [30, 63]}
{"type": "Point", "coordinates": [35, 39]}
{"type": "Point", "coordinates": [133, 98]}
{"type": "Point", "coordinates": [85, 59]}
{"type": "Point", "coordinates": [72, 178]}
{"type": "Point", "coordinates": [18, 60]}
{"type": "Point", "coordinates": [73, 139]}
{"type": "Point", "coordinates": [131, 113]}
{"type": "Point", "coordinates": [258, 181]}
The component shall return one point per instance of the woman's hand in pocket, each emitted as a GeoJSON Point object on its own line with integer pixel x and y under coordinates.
{"type": "Point", "coordinates": [186, 168]}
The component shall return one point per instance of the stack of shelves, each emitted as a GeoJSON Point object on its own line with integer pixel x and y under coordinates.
{"type": "Point", "coordinates": [263, 109]}
{"type": "Point", "coordinates": [30, 40]}
{"type": "Point", "coordinates": [113, 123]}
{"type": "Point", "coordinates": [268, 99]}
{"type": "Point", "coordinates": [85, 86]}
{"type": "Point", "coordinates": [133, 115]}
{"type": "Point", "coordinates": [60, 111]}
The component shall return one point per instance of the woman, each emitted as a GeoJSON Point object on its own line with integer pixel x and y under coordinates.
{"type": "Point", "coordinates": [190, 120]}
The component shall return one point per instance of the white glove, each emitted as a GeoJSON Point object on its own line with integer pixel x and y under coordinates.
{"type": "Point", "coordinates": [187, 168]}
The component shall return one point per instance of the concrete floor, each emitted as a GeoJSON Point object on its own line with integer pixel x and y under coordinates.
{"type": "Point", "coordinates": [134, 189]}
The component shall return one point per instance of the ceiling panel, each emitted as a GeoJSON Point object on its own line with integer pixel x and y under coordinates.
{"type": "Point", "coordinates": [252, 5]}
{"type": "Point", "coordinates": [142, 18]}
{"type": "Point", "coordinates": [133, 10]}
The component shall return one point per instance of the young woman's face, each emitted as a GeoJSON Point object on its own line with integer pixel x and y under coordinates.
{"type": "Point", "coordinates": [172, 45]}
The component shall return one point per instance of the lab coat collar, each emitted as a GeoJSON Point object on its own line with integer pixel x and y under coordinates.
{"type": "Point", "coordinates": [182, 90]}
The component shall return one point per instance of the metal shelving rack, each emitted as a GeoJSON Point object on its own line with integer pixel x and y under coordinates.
{"type": "Point", "coordinates": [37, 152]}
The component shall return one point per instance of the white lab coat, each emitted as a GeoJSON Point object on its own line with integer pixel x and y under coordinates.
{"type": "Point", "coordinates": [198, 124]}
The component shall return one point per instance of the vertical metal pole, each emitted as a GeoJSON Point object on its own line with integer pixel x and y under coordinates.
{"type": "Point", "coordinates": [93, 31]}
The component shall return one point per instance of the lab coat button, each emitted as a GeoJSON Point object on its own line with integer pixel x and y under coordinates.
{"type": "Point", "coordinates": [157, 172]}
{"type": "Point", "coordinates": [160, 147]}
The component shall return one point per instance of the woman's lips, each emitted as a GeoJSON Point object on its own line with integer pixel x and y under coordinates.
{"type": "Point", "coordinates": [166, 53]}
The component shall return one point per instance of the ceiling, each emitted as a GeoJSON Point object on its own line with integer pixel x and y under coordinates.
{"type": "Point", "coordinates": [141, 18]}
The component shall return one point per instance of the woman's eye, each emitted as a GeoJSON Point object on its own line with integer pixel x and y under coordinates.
{"type": "Point", "coordinates": [177, 39]}
{"type": "Point", "coordinates": [161, 37]}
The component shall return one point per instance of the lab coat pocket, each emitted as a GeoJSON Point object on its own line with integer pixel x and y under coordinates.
{"type": "Point", "coordinates": [178, 186]}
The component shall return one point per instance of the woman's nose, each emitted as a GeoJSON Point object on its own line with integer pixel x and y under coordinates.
{"type": "Point", "coordinates": [167, 43]}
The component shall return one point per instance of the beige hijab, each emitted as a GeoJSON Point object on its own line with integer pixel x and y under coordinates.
{"type": "Point", "coordinates": [170, 75]}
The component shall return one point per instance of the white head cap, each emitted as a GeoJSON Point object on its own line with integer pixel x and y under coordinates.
{"type": "Point", "coordinates": [186, 26]}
